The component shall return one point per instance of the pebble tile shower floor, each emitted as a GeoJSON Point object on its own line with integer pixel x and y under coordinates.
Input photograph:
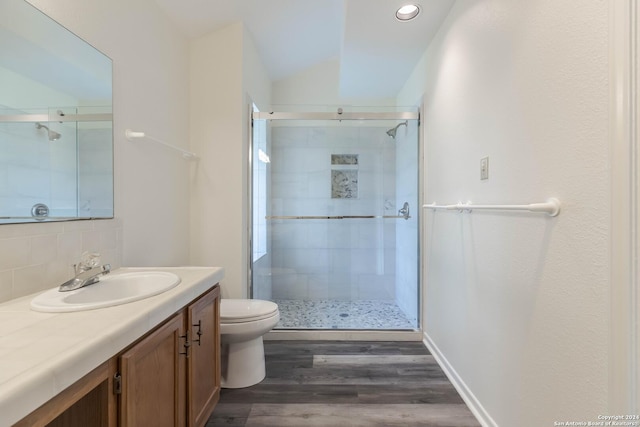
{"type": "Point", "coordinates": [334, 314]}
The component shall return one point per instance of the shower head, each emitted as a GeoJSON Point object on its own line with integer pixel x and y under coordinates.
{"type": "Point", "coordinates": [52, 134]}
{"type": "Point", "coordinates": [392, 132]}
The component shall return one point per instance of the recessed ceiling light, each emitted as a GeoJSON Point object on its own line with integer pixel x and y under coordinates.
{"type": "Point", "coordinates": [407, 12]}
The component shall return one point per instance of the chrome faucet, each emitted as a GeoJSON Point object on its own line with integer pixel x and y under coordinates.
{"type": "Point", "coordinates": [85, 278]}
{"type": "Point", "coordinates": [87, 272]}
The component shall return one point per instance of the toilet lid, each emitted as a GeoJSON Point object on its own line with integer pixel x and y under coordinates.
{"type": "Point", "coordinates": [245, 310]}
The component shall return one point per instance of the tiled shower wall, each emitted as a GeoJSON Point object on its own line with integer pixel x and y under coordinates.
{"type": "Point", "coordinates": [36, 170]}
{"type": "Point", "coordinates": [348, 259]}
{"type": "Point", "coordinates": [73, 175]}
{"type": "Point", "coordinates": [35, 257]}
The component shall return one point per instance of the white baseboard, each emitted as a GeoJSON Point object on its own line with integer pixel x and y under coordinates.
{"type": "Point", "coordinates": [328, 335]}
{"type": "Point", "coordinates": [469, 398]}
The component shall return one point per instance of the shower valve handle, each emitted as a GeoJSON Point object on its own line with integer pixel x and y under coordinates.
{"type": "Point", "coordinates": [404, 211]}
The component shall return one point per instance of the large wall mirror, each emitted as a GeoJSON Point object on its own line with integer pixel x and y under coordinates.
{"type": "Point", "coordinates": [56, 129]}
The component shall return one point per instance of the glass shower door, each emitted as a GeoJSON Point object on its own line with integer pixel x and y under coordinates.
{"type": "Point", "coordinates": [329, 244]}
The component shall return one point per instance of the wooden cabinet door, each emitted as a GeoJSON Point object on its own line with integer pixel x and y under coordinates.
{"type": "Point", "coordinates": [204, 358]}
{"type": "Point", "coordinates": [153, 379]}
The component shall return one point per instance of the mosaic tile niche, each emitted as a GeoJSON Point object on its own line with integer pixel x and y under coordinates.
{"type": "Point", "coordinates": [344, 176]}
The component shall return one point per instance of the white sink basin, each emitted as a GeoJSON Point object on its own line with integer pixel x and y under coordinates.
{"type": "Point", "coordinates": [112, 289]}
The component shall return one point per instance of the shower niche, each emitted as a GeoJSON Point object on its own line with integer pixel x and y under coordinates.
{"type": "Point", "coordinates": [344, 176]}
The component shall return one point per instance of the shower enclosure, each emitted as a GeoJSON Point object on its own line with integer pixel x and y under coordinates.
{"type": "Point", "coordinates": [334, 201]}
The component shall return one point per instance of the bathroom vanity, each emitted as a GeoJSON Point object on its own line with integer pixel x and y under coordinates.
{"type": "Point", "coordinates": [150, 362]}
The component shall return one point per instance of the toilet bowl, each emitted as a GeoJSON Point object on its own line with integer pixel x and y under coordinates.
{"type": "Point", "coordinates": [243, 322]}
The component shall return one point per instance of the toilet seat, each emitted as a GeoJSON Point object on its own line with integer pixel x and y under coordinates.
{"type": "Point", "coordinates": [246, 310]}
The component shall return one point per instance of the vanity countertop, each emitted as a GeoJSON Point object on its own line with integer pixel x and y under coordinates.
{"type": "Point", "coordinates": [41, 354]}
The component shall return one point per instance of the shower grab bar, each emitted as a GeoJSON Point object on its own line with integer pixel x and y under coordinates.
{"type": "Point", "coordinates": [336, 217]}
{"type": "Point", "coordinates": [551, 207]}
{"type": "Point", "coordinates": [187, 155]}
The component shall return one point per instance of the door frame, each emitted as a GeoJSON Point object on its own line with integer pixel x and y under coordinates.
{"type": "Point", "coordinates": [624, 363]}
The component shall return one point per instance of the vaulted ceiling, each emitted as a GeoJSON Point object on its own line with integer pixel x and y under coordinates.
{"type": "Point", "coordinates": [376, 52]}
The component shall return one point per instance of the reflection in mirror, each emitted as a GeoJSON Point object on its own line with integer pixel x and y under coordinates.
{"type": "Point", "coordinates": [56, 131]}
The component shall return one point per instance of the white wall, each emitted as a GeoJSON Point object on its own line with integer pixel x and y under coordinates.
{"type": "Point", "coordinates": [255, 78]}
{"type": "Point", "coordinates": [216, 135]}
{"type": "Point", "coordinates": [225, 73]}
{"type": "Point", "coordinates": [517, 305]}
{"type": "Point", "coordinates": [150, 91]}
{"type": "Point", "coordinates": [319, 86]}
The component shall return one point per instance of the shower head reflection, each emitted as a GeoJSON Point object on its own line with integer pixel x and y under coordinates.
{"type": "Point", "coordinates": [51, 134]}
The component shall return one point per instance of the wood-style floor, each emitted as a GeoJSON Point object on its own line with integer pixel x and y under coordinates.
{"type": "Point", "coordinates": [329, 383]}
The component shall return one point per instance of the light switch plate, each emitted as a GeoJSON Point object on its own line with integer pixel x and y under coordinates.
{"type": "Point", "coordinates": [484, 168]}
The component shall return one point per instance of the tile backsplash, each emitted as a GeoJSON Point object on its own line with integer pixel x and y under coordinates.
{"type": "Point", "coordinates": [35, 257]}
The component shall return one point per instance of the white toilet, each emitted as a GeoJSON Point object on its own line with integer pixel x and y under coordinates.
{"type": "Point", "coordinates": [243, 322]}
